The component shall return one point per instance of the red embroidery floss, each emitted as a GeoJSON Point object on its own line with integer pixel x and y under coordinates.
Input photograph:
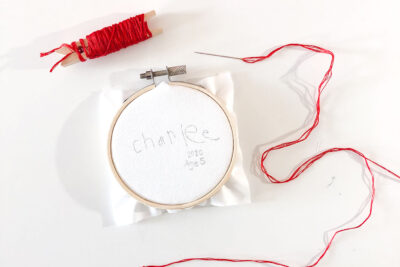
{"type": "Point", "coordinates": [107, 40]}
{"type": "Point", "coordinates": [306, 164]}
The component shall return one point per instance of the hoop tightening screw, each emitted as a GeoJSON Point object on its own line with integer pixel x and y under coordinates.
{"type": "Point", "coordinates": [170, 71]}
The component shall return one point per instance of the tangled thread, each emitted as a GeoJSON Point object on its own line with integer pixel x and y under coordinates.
{"type": "Point", "coordinates": [306, 164]}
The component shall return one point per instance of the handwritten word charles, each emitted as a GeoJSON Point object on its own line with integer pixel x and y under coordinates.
{"type": "Point", "coordinates": [185, 134]}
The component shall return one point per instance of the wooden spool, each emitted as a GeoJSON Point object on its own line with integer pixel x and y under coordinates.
{"type": "Point", "coordinates": [74, 58]}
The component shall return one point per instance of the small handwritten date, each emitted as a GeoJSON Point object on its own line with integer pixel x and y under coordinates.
{"type": "Point", "coordinates": [195, 159]}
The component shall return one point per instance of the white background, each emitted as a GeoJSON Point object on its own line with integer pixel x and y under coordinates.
{"type": "Point", "coordinates": [51, 208]}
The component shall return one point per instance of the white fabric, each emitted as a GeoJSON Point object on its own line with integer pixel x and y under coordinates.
{"type": "Point", "coordinates": [172, 144]}
{"type": "Point", "coordinates": [125, 209]}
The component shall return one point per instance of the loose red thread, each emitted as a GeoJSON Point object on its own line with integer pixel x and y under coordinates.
{"type": "Point", "coordinates": [305, 165]}
{"type": "Point", "coordinates": [107, 40]}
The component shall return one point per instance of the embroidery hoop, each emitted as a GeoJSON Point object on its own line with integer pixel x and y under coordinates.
{"type": "Point", "coordinates": [172, 72]}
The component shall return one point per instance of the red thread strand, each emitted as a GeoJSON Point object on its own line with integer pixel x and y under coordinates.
{"type": "Point", "coordinates": [107, 40]}
{"type": "Point", "coordinates": [218, 259]}
{"type": "Point", "coordinates": [306, 164]}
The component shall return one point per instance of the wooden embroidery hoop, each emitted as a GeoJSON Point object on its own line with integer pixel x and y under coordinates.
{"type": "Point", "coordinates": [223, 180]}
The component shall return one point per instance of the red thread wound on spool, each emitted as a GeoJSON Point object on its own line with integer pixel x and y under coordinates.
{"type": "Point", "coordinates": [305, 165]}
{"type": "Point", "coordinates": [108, 40]}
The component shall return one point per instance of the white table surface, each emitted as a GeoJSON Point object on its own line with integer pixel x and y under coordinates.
{"type": "Point", "coordinates": [51, 208]}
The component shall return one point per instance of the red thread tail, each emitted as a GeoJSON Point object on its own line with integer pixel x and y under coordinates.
{"type": "Point", "coordinates": [308, 163]}
{"type": "Point", "coordinates": [72, 47]}
{"type": "Point", "coordinates": [217, 259]}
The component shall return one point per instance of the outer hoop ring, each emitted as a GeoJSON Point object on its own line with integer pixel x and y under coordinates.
{"type": "Point", "coordinates": [143, 200]}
